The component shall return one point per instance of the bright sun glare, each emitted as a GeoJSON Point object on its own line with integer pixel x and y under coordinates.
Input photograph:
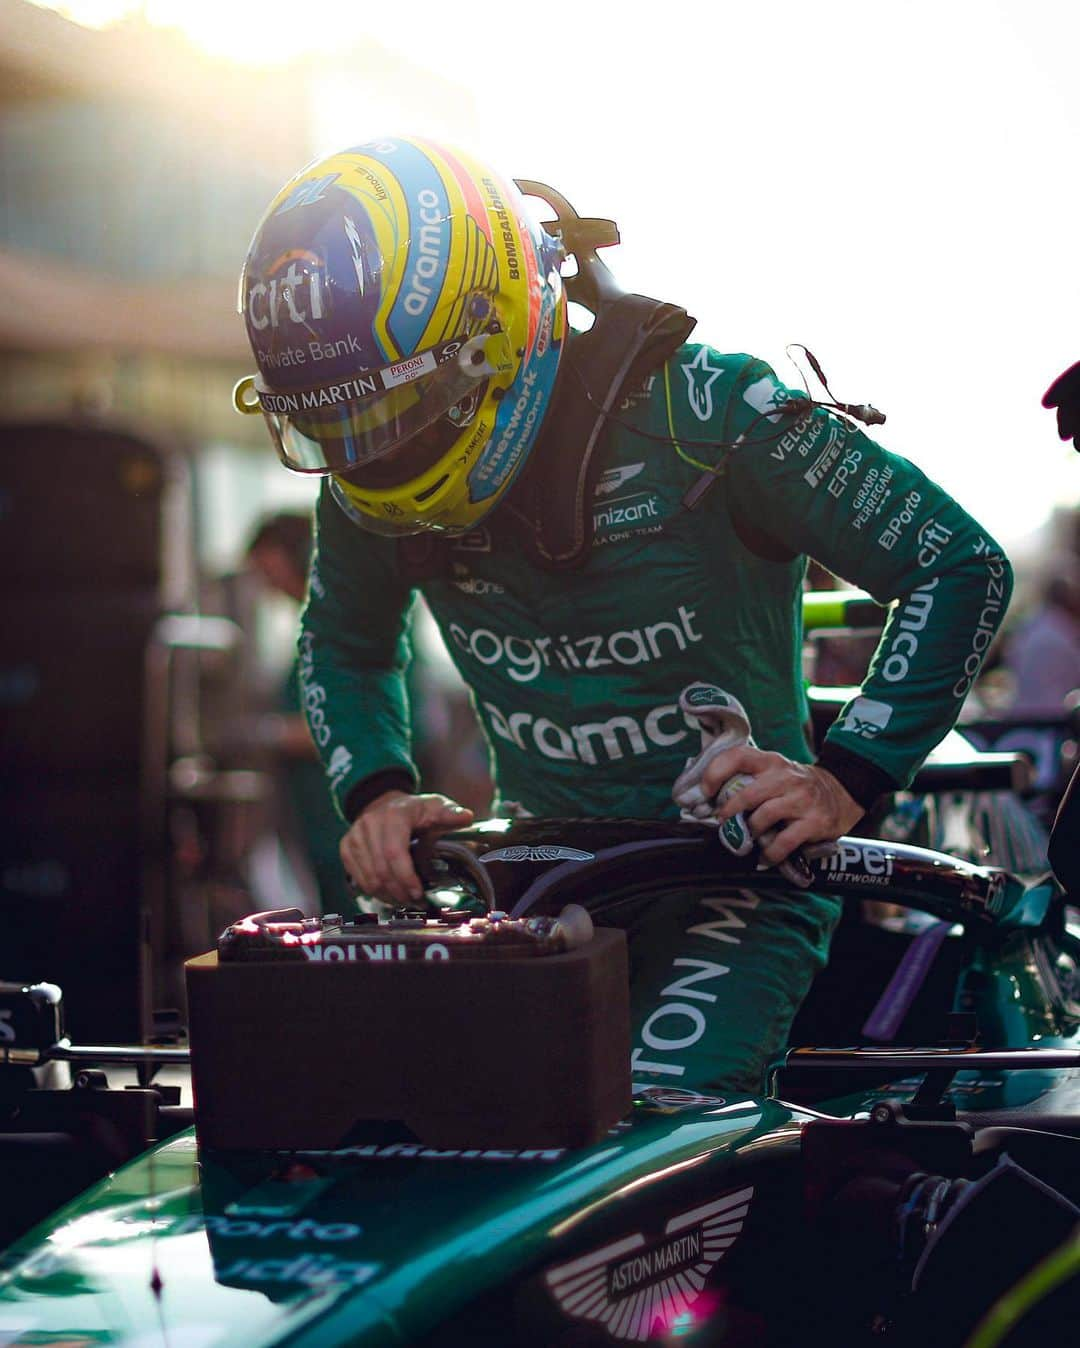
{"type": "Point", "coordinates": [261, 33]}
{"type": "Point", "coordinates": [892, 185]}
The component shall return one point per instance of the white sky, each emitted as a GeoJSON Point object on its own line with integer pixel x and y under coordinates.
{"type": "Point", "coordinates": [894, 185]}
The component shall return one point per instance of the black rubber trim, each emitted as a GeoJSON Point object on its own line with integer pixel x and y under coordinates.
{"type": "Point", "coordinates": [863, 781]}
{"type": "Point", "coordinates": [365, 791]}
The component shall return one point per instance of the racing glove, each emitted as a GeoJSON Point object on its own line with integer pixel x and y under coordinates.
{"type": "Point", "coordinates": [1064, 394]}
{"type": "Point", "coordinates": [724, 724]}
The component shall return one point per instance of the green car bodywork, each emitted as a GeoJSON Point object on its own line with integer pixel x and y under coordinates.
{"type": "Point", "coordinates": [382, 1243]}
{"type": "Point", "coordinates": [686, 1220]}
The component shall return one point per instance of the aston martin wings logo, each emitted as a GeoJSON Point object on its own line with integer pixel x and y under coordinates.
{"type": "Point", "coordinates": [545, 852]}
{"type": "Point", "coordinates": [634, 1283]}
{"type": "Point", "coordinates": [611, 479]}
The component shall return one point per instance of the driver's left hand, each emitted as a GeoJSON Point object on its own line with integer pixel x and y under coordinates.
{"type": "Point", "coordinates": [804, 801]}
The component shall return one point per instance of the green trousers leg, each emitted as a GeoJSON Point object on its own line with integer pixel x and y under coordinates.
{"type": "Point", "coordinates": [716, 977]}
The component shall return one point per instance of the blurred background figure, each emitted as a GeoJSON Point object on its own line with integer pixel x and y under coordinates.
{"type": "Point", "coordinates": [448, 742]}
{"type": "Point", "coordinates": [279, 554]}
{"type": "Point", "coordinates": [836, 660]}
{"type": "Point", "coordinates": [1043, 652]}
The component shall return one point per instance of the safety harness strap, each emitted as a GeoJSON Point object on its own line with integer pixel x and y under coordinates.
{"type": "Point", "coordinates": [629, 338]}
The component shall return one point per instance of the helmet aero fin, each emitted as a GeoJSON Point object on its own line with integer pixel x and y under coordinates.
{"type": "Point", "coordinates": [593, 284]}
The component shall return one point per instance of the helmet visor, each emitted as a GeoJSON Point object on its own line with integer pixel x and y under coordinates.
{"type": "Point", "coordinates": [341, 427]}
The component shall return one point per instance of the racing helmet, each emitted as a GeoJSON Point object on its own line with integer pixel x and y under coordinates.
{"type": "Point", "coordinates": [407, 316]}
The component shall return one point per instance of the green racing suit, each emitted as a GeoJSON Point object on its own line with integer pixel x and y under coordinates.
{"type": "Point", "coordinates": [575, 675]}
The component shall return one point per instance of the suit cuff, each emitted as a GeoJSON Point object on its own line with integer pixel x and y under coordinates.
{"type": "Point", "coordinates": [864, 781]}
{"type": "Point", "coordinates": [365, 791]}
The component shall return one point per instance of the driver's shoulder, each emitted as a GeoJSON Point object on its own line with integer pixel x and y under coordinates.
{"type": "Point", "coordinates": [699, 380]}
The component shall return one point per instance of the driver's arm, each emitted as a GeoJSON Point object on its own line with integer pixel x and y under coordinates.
{"type": "Point", "coordinates": [354, 650]}
{"type": "Point", "coordinates": [822, 488]}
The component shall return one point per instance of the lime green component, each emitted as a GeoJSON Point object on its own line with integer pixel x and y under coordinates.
{"type": "Point", "coordinates": [1046, 1277]}
{"type": "Point", "coordinates": [840, 610]}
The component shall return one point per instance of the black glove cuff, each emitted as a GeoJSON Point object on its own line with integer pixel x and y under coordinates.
{"type": "Point", "coordinates": [863, 781]}
{"type": "Point", "coordinates": [365, 791]}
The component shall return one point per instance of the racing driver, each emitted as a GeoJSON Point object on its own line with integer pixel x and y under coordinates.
{"type": "Point", "coordinates": [596, 519]}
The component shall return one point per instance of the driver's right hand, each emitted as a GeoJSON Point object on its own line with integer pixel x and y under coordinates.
{"type": "Point", "coordinates": [375, 851]}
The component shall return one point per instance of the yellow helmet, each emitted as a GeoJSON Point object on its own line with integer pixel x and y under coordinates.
{"type": "Point", "coordinates": [407, 317]}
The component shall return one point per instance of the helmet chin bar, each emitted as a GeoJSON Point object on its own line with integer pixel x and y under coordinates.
{"type": "Point", "coordinates": [594, 285]}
